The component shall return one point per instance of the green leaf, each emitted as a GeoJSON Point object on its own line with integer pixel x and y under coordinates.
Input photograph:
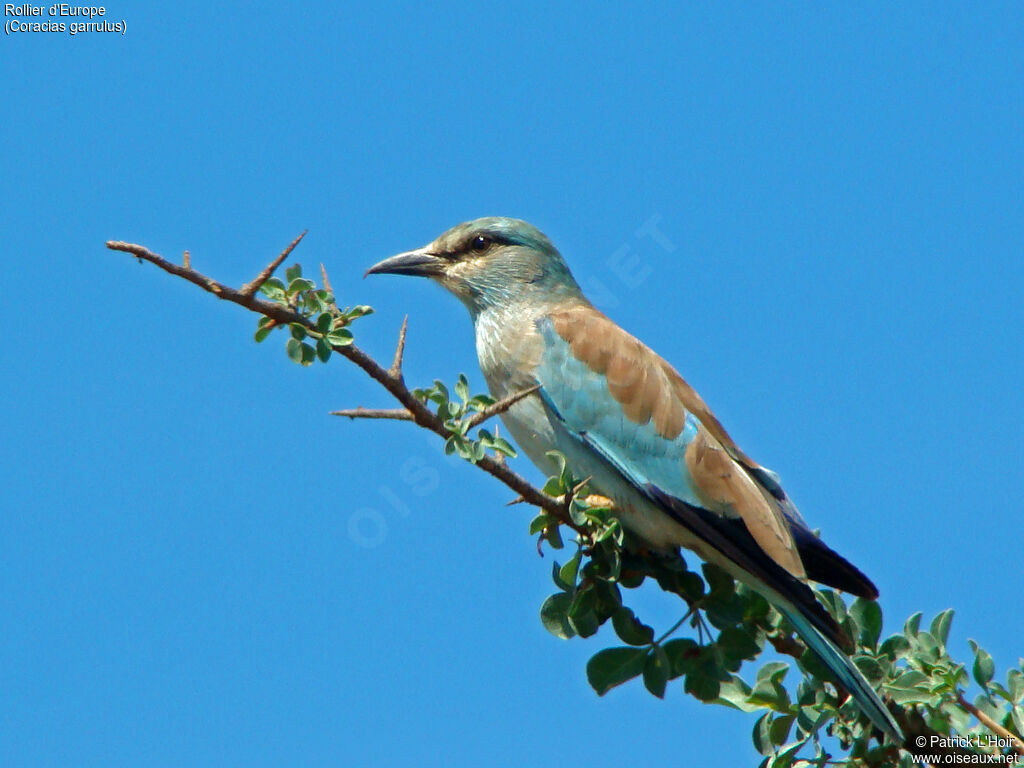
{"type": "Point", "coordinates": [895, 647]}
{"type": "Point", "coordinates": [323, 350]}
{"type": "Point", "coordinates": [273, 289]}
{"type": "Point", "coordinates": [940, 626]}
{"type": "Point", "coordinates": [553, 487]}
{"type": "Point", "coordinates": [462, 387]}
{"type": "Point", "coordinates": [558, 458]}
{"type": "Point", "coordinates": [784, 758]}
{"type": "Point", "coordinates": [540, 522]}
{"type": "Point", "coordinates": [294, 349]}
{"type": "Point", "coordinates": [261, 334]}
{"type": "Point", "coordinates": [556, 576]}
{"type": "Point", "coordinates": [299, 284]}
{"type": "Point", "coordinates": [811, 718]}
{"type": "Point", "coordinates": [298, 331]}
{"type": "Point", "coordinates": [737, 643]}
{"type": "Point", "coordinates": [984, 667]}
{"type": "Point", "coordinates": [290, 273]}
{"type": "Point", "coordinates": [691, 585]}
{"type": "Point", "coordinates": [868, 618]}
{"type": "Point", "coordinates": [912, 687]}
{"type": "Point", "coordinates": [308, 354]}
{"type": "Point", "coordinates": [341, 337]}
{"type": "Point", "coordinates": [656, 670]}
{"type": "Point", "coordinates": [359, 311]}
{"type": "Point", "coordinates": [779, 730]}
{"type": "Point", "coordinates": [770, 693]}
{"type": "Point", "coordinates": [705, 678]}
{"type": "Point", "coordinates": [762, 734]}
{"type": "Point", "coordinates": [554, 615]}
{"type": "Point", "coordinates": [501, 445]}
{"type": "Point", "coordinates": [735, 693]}
{"type": "Point", "coordinates": [928, 646]}
{"type": "Point", "coordinates": [812, 664]}
{"type": "Point", "coordinates": [910, 678]}
{"type": "Point", "coordinates": [439, 392]}
{"type": "Point", "coordinates": [904, 696]}
{"type": "Point", "coordinates": [614, 666]}
{"type": "Point", "coordinates": [724, 609]}
{"type": "Point", "coordinates": [582, 615]}
{"type": "Point", "coordinates": [324, 322]}
{"type": "Point", "coordinates": [608, 599]}
{"type": "Point", "coordinates": [833, 602]}
{"type": "Point", "coordinates": [719, 582]}
{"type": "Point", "coordinates": [683, 654]}
{"type": "Point", "coordinates": [702, 686]}
{"type": "Point", "coordinates": [913, 626]}
{"type": "Point", "coordinates": [773, 670]}
{"type": "Point", "coordinates": [1015, 680]}
{"type": "Point", "coordinates": [630, 629]}
{"type": "Point", "coordinates": [479, 451]}
{"type": "Point", "coordinates": [586, 623]}
{"type": "Point", "coordinates": [567, 573]}
{"type": "Point", "coordinates": [870, 668]}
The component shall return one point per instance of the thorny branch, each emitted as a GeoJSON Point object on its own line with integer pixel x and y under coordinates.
{"type": "Point", "coordinates": [398, 414]}
{"type": "Point", "coordinates": [390, 378]}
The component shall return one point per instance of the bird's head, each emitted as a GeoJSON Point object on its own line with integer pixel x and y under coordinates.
{"type": "Point", "coordinates": [493, 262]}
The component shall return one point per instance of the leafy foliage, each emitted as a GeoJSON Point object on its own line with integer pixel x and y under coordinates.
{"type": "Point", "coordinates": [330, 324]}
{"type": "Point", "coordinates": [734, 624]}
{"type": "Point", "coordinates": [457, 416]}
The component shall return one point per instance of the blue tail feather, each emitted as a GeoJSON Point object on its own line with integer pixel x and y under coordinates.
{"type": "Point", "coordinates": [846, 673]}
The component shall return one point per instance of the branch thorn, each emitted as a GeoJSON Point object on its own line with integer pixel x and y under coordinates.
{"type": "Point", "coordinates": [395, 371]}
{"type": "Point", "coordinates": [249, 289]}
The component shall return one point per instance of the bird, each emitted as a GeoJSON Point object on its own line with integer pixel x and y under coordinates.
{"type": "Point", "coordinates": [624, 417]}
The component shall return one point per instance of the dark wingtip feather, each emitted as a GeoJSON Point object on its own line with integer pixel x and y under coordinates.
{"type": "Point", "coordinates": [826, 566]}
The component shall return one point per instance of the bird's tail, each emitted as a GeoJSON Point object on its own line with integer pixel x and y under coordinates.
{"type": "Point", "coordinates": [846, 673]}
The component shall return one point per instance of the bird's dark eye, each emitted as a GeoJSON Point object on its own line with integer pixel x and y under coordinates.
{"type": "Point", "coordinates": [480, 243]}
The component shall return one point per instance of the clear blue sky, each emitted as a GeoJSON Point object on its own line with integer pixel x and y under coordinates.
{"type": "Point", "coordinates": [841, 274]}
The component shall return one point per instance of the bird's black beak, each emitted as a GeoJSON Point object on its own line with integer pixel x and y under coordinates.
{"type": "Point", "coordinates": [420, 262]}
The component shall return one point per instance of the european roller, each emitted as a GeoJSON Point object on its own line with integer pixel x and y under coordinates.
{"type": "Point", "coordinates": [625, 418]}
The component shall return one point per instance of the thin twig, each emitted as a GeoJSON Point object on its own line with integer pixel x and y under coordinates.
{"type": "Point", "coordinates": [396, 364]}
{"type": "Point", "coordinates": [399, 414]}
{"type": "Point", "coordinates": [500, 407]}
{"type": "Point", "coordinates": [992, 725]}
{"type": "Point", "coordinates": [186, 259]}
{"type": "Point", "coordinates": [249, 289]}
{"type": "Point", "coordinates": [327, 281]}
{"type": "Point", "coordinates": [283, 315]}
